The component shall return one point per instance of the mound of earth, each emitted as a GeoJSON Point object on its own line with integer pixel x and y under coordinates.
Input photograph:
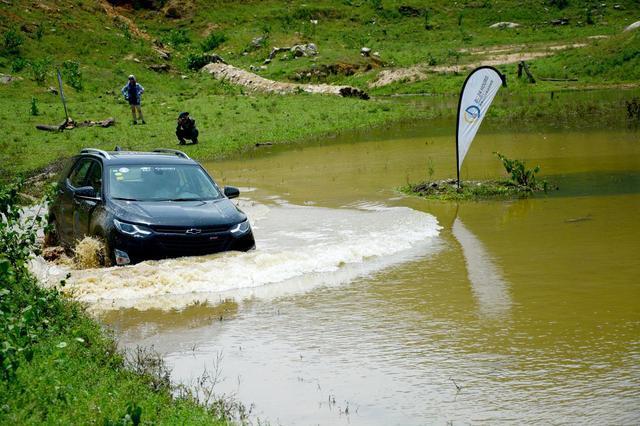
{"type": "Point", "coordinates": [255, 82]}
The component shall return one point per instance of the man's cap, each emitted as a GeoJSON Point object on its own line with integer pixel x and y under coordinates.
{"type": "Point", "coordinates": [132, 77]}
{"type": "Point", "coordinates": [183, 115]}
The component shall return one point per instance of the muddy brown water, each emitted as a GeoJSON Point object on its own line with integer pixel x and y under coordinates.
{"type": "Point", "coordinates": [363, 306]}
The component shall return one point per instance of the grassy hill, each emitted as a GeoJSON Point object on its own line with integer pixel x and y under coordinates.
{"type": "Point", "coordinates": [96, 46]}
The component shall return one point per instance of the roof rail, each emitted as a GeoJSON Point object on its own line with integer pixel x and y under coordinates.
{"type": "Point", "coordinates": [96, 151]}
{"type": "Point", "coordinates": [172, 151]}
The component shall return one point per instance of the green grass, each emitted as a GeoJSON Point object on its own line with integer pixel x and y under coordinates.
{"type": "Point", "coordinates": [231, 120]}
{"type": "Point", "coordinates": [77, 377]}
{"type": "Point", "coordinates": [58, 366]}
{"type": "Point", "coordinates": [228, 124]}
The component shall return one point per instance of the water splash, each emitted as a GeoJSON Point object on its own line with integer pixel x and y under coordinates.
{"type": "Point", "coordinates": [299, 247]}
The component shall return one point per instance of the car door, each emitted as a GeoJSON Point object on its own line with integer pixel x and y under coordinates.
{"type": "Point", "coordinates": [84, 206]}
{"type": "Point", "coordinates": [68, 206]}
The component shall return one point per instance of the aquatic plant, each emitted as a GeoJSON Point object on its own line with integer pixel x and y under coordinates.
{"type": "Point", "coordinates": [522, 183]}
{"type": "Point", "coordinates": [520, 174]}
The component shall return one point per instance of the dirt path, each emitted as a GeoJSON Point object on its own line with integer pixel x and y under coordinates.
{"type": "Point", "coordinates": [255, 82]}
{"type": "Point", "coordinates": [133, 28]}
{"type": "Point", "coordinates": [498, 55]}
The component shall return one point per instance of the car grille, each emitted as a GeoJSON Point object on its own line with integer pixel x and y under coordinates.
{"type": "Point", "coordinates": [193, 244]}
{"type": "Point", "coordinates": [183, 230]}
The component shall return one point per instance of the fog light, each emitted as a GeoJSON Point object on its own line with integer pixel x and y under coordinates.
{"type": "Point", "coordinates": [122, 258]}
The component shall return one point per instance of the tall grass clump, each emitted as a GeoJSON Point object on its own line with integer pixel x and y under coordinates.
{"type": "Point", "coordinates": [72, 74]}
{"type": "Point", "coordinates": [213, 41]}
{"type": "Point", "coordinates": [11, 41]}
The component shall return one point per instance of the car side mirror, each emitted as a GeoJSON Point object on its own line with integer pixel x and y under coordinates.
{"type": "Point", "coordinates": [231, 191]}
{"type": "Point", "coordinates": [85, 192]}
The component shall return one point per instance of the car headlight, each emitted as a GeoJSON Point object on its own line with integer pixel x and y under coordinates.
{"type": "Point", "coordinates": [138, 231]}
{"type": "Point", "coordinates": [241, 228]}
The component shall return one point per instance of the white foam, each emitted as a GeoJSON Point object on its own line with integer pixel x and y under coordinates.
{"type": "Point", "coordinates": [299, 247]}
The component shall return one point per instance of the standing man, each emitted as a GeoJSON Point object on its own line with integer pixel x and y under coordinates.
{"type": "Point", "coordinates": [132, 92]}
{"type": "Point", "coordinates": [186, 129]}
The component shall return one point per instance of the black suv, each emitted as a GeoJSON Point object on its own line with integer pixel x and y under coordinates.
{"type": "Point", "coordinates": [146, 205]}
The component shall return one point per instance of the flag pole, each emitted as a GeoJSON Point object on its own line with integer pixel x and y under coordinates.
{"type": "Point", "coordinates": [64, 102]}
{"type": "Point", "coordinates": [503, 80]}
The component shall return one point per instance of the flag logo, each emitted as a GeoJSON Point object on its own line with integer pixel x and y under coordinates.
{"type": "Point", "coordinates": [471, 114]}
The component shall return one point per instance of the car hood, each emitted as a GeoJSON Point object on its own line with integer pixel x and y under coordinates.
{"type": "Point", "coordinates": [179, 213]}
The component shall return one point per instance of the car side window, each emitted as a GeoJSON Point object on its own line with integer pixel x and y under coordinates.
{"type": "Point", "coordinates": [79, 172]}
{"type": "Point", "coordinates": [95, 177]}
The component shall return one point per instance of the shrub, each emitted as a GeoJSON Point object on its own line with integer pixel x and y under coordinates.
{"type": "Point", "coordinates": [560, 4]}
{"type": "Point", "coordinates": [18, 64]}
{"type": "Point", "coordinates": [212, 41]}
{"type": "Point", "coordinates": [195, 61]}
{"type": "Point", "coordinates": [72, 74]}
{"type": "Point", "coordinates": [520, 175]}
{"type": "Point", "coordinates": [12, 40]}
{"type": "Point", "coordinates": [39, 32]}
{"type": "Point", "coordinates": [40, 70]}
{"type": "Point", "coordinates": [28, 312]}
{"type": "Point", "coordinates": [176, 37]}
{"type": "Point", "coordinates": [34, 106]}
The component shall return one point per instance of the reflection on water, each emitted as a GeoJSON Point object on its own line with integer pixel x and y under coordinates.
{"type": "Point", "coordinates": [489, 287]}
{"type": "Point", "coordinates": [531, 306]}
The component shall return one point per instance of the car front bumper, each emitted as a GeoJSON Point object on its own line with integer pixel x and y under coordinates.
{"type": "Point", "coordinates": [163, 246]}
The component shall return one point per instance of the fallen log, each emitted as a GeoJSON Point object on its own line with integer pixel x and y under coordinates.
{"type": "Point", "coordinates": [277, 50]}
{"type": "Point", "coordinates": [70, 124]}
{"type": "Point", "coordinates": [557, 79]}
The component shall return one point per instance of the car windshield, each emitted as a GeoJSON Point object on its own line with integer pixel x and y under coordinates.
{"type": "Point", "coordinates": [182, 182]}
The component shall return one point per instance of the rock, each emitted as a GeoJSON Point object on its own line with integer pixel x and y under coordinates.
{"type": "Point", "coordinates": [267, 61]}
{"type": "Point", "coordinates": [633, 26]}
{"type": "Point", "coordinates": [409, 11]}
{"type": "Point", "coordinates": [172, 12]}
{"type": "Point", "coordinates": [6, 78]}
{"type": "Point", "coordinates": [52, 90]}
{"type": "Point", "coordinates": [258, 42]}
{"type": "Point", "coordinates": [159, 67]}
{"type": "Point", "coordinates": [276, 50]}
{"type": "Point", "coordinates": [352, 92]}
{"type": "Point", "coordinates": [184, 77]}
{"type": "Point", "coordinates": [28, 28]}
{"type": "Point", "coordinates": [304, 50]}
{"type": "Point", "coordinates": [503, 25]}
{"type": "Point", "coordinates": [215, 59]}
{"type": "Point", "coordinates": [365, 51]}
{"type": "Point", "coordinates": [376, 54]}
{"type": "Point", "coordinates": [53, 253]}
{"type": "Point", "coordinates": [164, 54]}
{"type": "Point", "coordinates": [618, 7]}
{"type": "Point", "coordinates": [561, 21]}
{"type": "Point", "coordinates": [263, 68]}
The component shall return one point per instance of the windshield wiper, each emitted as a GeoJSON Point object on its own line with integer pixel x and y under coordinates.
{"type": "Point", "coordinates": [125, 199]}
